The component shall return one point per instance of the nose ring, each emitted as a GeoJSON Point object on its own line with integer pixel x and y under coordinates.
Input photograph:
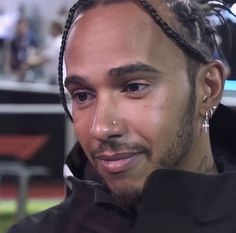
{"type": "Point", "coordinates": [114, 122]}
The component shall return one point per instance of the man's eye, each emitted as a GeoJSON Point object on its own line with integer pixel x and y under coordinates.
{"type": "Point", "coordinates": [82, 97]}
{"type": "Point", "coordinates": [134, 87]}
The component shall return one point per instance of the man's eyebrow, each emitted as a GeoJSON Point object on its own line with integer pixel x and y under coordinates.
{"type": "Point", "coordinates": [74, 79]}
{"type": "Point", "coordinates": [133, 68]}
{"type": "Point", "coordinates": [117, 71]}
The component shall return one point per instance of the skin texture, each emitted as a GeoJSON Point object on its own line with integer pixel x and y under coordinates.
{"type": "Point", "coordinates": [131, 118]}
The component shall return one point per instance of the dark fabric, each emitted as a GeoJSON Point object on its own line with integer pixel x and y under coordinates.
{"type": "Point", "coordinates": [177, 201]}
{"type": "Point", "coordinates": [19, 48]}
{"type": "Point", "coordinates": [223, 138]}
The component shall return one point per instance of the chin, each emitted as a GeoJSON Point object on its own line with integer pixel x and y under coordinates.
{"type": "Point", "coordinates": [126, 192]}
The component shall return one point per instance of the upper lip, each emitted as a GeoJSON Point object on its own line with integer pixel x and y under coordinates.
{"type": "Point", "coordinates": [115, 156]}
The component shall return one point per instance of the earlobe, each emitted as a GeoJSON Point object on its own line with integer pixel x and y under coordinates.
{"type": "Point", "coordinates": [213, 77]}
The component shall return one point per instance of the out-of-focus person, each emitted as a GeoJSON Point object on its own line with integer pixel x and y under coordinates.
{"type": "Point", "coordinates": [21, 47]}
{"type": "Point", "coordinates": [7, 25]}
{"type": "Point", "coordinates": [49, 56]}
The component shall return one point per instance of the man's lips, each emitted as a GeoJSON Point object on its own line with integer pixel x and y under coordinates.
{"type": "Point", "coordinates": [117, 162]}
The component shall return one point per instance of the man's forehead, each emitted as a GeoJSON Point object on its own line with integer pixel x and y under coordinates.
{"type": "Point", "coordinates": [131, 13]}
{"type": "Point", "coordinates": [128, 10]}
{"type": "Point", "coordinates": [108, 30]}
{"type": "Point", "coordinates": [127, 18]}
{"type": "Point", "coordinates": [124, 23]}
{"type": "Point", "coordinates": [113, 9]}
{"type": "Point", "coordinates": [162, 6]}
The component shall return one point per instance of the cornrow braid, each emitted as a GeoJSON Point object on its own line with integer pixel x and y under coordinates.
{"type": "Point", "coordinates": [174, 36]}
{"type": "Point", "coordinates": [61, 57]}
{"type": "Point", "coordinates": [196, 27]}
{"type": "Point", "coordinates": [69, 21]}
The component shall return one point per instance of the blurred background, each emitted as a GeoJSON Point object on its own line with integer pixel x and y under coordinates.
{"type": "Point", "coordinates": [34, 132]}
{"type": "Point", "coordinates": [35, 135]}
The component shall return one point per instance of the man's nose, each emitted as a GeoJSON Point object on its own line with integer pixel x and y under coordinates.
{"type": "Point", "coordinates": [106, 122]}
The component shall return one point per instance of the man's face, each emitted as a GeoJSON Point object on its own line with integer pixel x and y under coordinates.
{"type": "Point", "coordinates": [131, 95]}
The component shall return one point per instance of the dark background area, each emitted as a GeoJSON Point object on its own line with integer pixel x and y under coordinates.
{"type": "Point", "coordinates": [51, 154]}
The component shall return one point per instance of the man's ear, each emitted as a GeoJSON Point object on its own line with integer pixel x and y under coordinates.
{"type": "Point", "coordinates": [212, 82]}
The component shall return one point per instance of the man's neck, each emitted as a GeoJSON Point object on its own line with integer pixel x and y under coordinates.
{"type": "Point", "coordinates": [200, 159]}
{"type": "Point", "coordinates": [206, 167]}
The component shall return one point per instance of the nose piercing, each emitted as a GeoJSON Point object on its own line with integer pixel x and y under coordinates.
{"type": "Point", "coordinates": [114, 122]}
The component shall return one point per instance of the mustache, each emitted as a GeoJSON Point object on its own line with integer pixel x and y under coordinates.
{"type": "Point", "coordinates": [118, 146]}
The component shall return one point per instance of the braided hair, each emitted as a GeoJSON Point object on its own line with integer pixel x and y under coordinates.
{"type": "Point", "coordinates": [196, 36]}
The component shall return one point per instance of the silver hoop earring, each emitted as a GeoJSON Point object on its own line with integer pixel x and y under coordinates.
{"type": "Point", "coordinates": [205, 124]}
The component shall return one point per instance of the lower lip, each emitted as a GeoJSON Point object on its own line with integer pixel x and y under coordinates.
{"type": "Point", "coordinates": [118, 166]}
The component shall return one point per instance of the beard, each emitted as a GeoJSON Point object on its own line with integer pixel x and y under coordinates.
{"type": "Point", "coordinates": [129, 195]}
{"type": "Point", "coordinates": [180, 146]}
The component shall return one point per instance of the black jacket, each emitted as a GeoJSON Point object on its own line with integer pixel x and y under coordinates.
{"type": "Point", "coordinates": [173, 202]}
